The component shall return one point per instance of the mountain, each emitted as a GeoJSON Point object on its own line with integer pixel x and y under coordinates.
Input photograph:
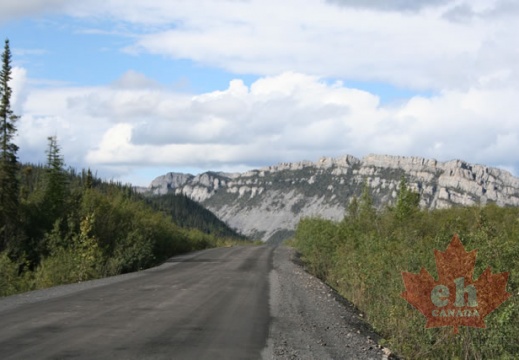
{"type": "Point", "coordinates": [267, 203]}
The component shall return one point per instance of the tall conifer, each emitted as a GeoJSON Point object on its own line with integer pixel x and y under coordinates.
{"type": "Point", "coordinates": [56, 184]}
{"type": "Point", "coordinates": [9, 183]}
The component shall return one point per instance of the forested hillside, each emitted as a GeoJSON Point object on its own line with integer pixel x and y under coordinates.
{"type": "Point", "coordinates": [363, 256]}
{"type": "Point", "coordinates": [187, 213]}
{"type": "Point", "coordinates": [58, 225]}
{"type": "Point", "coordinates": [74, 227]}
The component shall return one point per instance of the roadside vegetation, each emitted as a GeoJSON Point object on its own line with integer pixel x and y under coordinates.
{"type": "Point", "coordinates": [363, 256]}
{"type": "Point", "coordinates": [60, 226]}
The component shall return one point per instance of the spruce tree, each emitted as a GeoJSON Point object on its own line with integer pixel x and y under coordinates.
{"type": "Point", "coordinates": [9, 183]}
{"type": "Point", "coordinates": [89, 182]}
{"type": "Point", "coordinates": [407, 202]}
{"type": "Point", "coordinates": [56, 184]}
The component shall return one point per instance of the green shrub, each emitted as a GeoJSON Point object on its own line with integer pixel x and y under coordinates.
{"type": "Point", "coordinates": [363, 260]}
{"type": "Point", "coordinates": [11, 281]}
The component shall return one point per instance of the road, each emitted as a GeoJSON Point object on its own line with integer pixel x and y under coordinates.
{"type": "Point", "coordinates": [212, 304]}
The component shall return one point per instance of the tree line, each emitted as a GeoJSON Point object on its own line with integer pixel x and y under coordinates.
{"type": "Point", "coordinates": [59, 225]}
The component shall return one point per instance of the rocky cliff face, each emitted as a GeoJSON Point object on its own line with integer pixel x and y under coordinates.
{"type": "Point", "coordinates": [267, 203]}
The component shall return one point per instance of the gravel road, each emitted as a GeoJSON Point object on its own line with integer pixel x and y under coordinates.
{"type": "Point", "coordinates": [310, 321]}
{"type": "Point", "coordinates": [209, 305]}
{"type": "Point", "coordinates": [226, 303]}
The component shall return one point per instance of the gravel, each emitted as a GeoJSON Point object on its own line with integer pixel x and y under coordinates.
{"type": "Point", "coordinates": [311, 321]}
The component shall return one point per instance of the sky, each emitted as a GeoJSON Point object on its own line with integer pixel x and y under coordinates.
{"type": "Point", "coordinates": [136, 89]}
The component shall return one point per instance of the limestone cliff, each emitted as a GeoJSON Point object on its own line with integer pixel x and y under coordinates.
{"type": "Point", "coordinates": [267, 203]}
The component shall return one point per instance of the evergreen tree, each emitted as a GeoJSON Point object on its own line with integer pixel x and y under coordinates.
{"type": "Point", "coordinates": [367, 209]}
{"type": "Point", "coordinates": [353, 209]}
{"type": "Point", "coordinates": [56, 182]}
{"type": "Point", "coordinates": [89, 182]}
{"type": "Point", "coordinates": [407, 202]}
{"type": "Point", "coordinates": [9, 183]}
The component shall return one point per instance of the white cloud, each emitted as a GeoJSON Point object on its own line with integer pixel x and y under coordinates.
{"type": "Point", "coordinates": [288, 117]}
{"type": "Point", "coordinates": [433, 44]}
{"type": "Point", "coordinates": [134, 80]}
{"type": "Point", "coordinates": [18, 86]}
{"type": "Point", "coordinates": [15, 9]}
{"type": "Point", "coordinates": [422, 48]}
{"type": "Point", "coordinates": [394, 5]}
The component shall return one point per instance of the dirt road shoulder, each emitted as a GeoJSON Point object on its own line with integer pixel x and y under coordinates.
{"type": "Point", "coordinates": [310, 321]}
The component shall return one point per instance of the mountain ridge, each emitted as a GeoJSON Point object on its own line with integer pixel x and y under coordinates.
{"type": "Point", "coordinates": [268, 202]}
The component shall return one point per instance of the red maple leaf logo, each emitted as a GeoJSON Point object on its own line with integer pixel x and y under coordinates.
{"type": "Point", "coordinates": [455, 299]}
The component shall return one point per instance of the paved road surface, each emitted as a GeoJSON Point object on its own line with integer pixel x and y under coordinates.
{"type": "Point", "coordinates": [212, 304]}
